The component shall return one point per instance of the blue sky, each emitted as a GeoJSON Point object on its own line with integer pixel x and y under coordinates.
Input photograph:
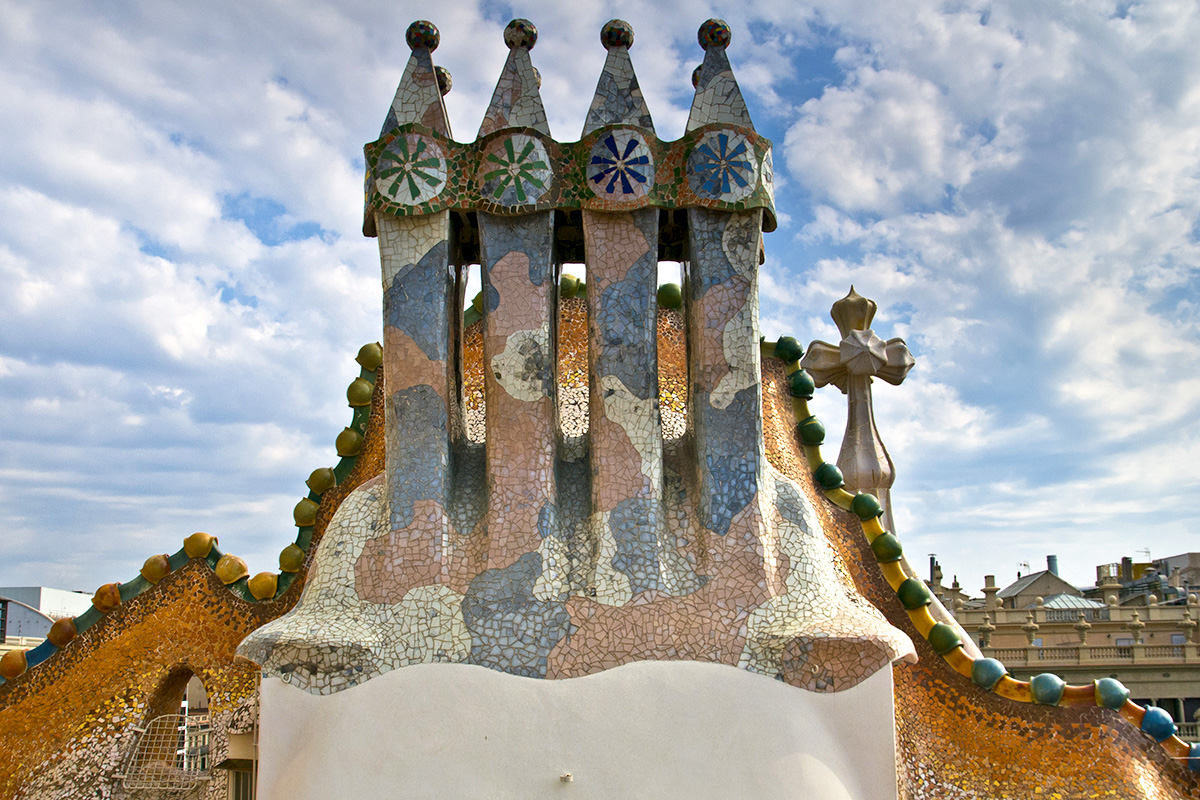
{"type": "Point", "coordinates": [1016, 184]}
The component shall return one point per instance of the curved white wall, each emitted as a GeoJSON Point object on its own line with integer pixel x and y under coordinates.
{"type": "Point", "coordinates": [648, 729]}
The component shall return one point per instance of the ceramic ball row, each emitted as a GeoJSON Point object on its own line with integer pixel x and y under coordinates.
{"type": "Point", "coordinates": [914, 595]}
{"type": "Point", "coordinates": [669, 295]}
{"type": "Point", "coordinates": [1050, 690]}
{"type": "Point", "coordinates": [521, 33]}
{"type": "Point", "coordinates": [812, 433]}
{"type": "Point", "coordinates": [349, 444]}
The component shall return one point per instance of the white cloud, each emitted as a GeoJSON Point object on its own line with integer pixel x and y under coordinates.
{"type": "Point", "coordinates": [1017, 186]}
{"type": "Point", "coordinates": [883, 141]}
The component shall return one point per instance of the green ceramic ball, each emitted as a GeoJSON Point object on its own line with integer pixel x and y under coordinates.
{"type": "Point", "coordinates": [670, 295]}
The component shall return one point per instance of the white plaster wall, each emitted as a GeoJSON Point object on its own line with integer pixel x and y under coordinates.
{"type": "Point", "coordinates": [644, 730]}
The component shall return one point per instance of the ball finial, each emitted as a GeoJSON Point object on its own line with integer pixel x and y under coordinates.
{"type": "Point", "coordinates": [616, 33]}
{"type": "Point", "coordinates": [445, 82]}
{"type": "Point", "coordinates": [696, 76]}
{"type": "Point", "coordinates": [520, 33]}
{"type": "Point", "coordinates": [714, 33]}
{"type": "Point", "coordinates": [422, 34]}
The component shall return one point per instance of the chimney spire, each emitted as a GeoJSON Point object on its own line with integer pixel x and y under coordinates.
{"type": "Point", "coordinates": [419, 97]}
{"type": "Point", "coordinates": [718, 97]}
{"type": "Point", "coordinates": [618, 98]}
{"type": "Point", "coordinates": [516, 102]}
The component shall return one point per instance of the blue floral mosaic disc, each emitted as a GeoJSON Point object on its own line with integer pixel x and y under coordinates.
{"type": "Point", "coordinates": [621, 166]}
{"type": "Point", "coordinates": [515, 171]}
{"type": "Point", "coordinates": [722, 166]}
{"type": "Point", "coordinates": [411, 169]}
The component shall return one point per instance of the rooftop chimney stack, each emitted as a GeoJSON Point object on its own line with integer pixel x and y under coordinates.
{"type": "Point", "coordinates": [1052, 564]}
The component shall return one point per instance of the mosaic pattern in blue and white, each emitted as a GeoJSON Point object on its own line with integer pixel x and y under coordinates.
{"type": "Point", "coordinates": [621, 166]}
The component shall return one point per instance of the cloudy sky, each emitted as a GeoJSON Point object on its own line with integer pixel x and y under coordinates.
{"type": "Point", "coordinates": [185, 282]}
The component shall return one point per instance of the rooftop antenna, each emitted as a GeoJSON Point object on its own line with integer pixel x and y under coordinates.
{"type": "Point", "coordinates": [1145, 550]}
{"type": "Point", "coordinates": [1024, 568]}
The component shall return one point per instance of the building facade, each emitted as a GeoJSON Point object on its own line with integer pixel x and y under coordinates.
{"type": "Point", "coordinates": [1040, 623]}
{"type": "Point", "coordinates": [17, 621]}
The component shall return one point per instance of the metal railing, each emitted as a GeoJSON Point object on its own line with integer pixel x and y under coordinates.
{"type": "Point", "coordinates": [197, 743]}
{"type": "Point", "coordinates": [170, 753]}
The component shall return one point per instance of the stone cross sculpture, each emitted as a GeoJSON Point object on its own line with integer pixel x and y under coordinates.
{"type": "Point", "coordinates": [850, 365]}
{"type": "Point", "coordinates": [521, 554]}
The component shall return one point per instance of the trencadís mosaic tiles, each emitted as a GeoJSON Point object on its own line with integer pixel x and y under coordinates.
{"type": "Point", "coordinates": [566, 485]}
{"type": "Point", "coordinates": [413, 170]}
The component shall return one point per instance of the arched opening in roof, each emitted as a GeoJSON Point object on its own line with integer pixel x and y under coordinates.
{"type": "Point", "coordinates": [172, 746]}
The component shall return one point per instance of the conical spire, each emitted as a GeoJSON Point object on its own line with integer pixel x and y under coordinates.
{"type": "Point", "coordinates": [718, 98]}
{"type": "Point", "coordinates": [418, 97]}
{"type": "Point", "coordinates": [516, 103]}
{"type": "Point", "coordinates": [618, 98]}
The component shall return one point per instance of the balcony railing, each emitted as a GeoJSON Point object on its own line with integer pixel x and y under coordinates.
{"type": "Point", "coordinates": [1087, 654]}
{"type": "Point", "coordinates": [1155, 617]}
{"type": "Point", "coordinates": [1008, 655]}
{"type": "Point", "coordinates": [1072, 614]}
{"type": "Point", "coordinates": [1164, 652]}
{"type": "Point", "coordinates": [1109, 653]}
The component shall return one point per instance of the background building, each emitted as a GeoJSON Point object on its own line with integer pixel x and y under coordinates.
{"type": "Point", "coordinates": [1133, 625]}
{"type": "Point", "coordinates": [17, 621]}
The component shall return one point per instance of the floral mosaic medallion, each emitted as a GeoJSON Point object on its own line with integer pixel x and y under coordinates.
{"type": "Point", "coordinates": [411, 169]}
{"type": "Point", "coordinates": [621, 166]}
{"type": "Point", "coordinates": [515, 171]}
{"type": "Point", "coordinates": [722, 166]}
